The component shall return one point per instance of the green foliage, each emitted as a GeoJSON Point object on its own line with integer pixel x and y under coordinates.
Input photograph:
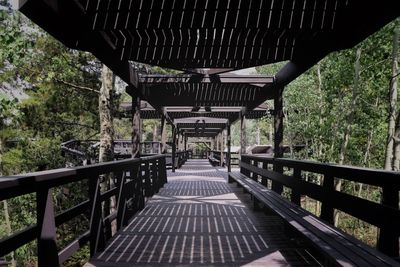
{"type": "Point", "coordinates": [61, 104]}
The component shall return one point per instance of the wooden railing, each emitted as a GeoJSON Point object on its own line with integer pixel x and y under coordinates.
{"type": "Point", "coordinates": [180, 158]}
{"type": "Point", "coordinates": [134, 180]}
{"type": "Point", "coordinates": [202, 155]}
{"type": "Point", "coordinates": [234, 157]}
{"type": "Point", "coordinates": [290, 173]}
{"type": "Point", "coordinates": [216, 154]}
{"type": "Point", "coordinates": [183, 156]}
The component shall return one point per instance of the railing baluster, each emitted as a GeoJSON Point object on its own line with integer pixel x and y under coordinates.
{"type": "Point", "coordinates": [146, 178]}
{"type": "Point", "coordinates": [264, 180]}
{"type": "Point", "coordinates": [327, 211]}
{"type": "Point", "coordinates": [244, 171]}
{"type": "Point", "coordinates": [296, 194]}
{"type": "Point", "coordinates": [155, 185]}
{"type": "Point", "coordinates": [254, 175]}
{"type": "Point", "coordinates": [47, 247]}
{"type": "Point", "coordinates": [276, 186]}
{"type": "Point", "coordinates": [97, 238]}
{"type": "Point", "coordinates": [388, 240]}
{"type": "Point", "coordinates": [122, 219]}
{"type": "Point", "coordinates": [163, 171]}
{"type": "Point", "coordinates": [139, 194]}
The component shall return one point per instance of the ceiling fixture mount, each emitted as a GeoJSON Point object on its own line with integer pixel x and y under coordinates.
{"type": "Point", "coordinates": [201, 110]}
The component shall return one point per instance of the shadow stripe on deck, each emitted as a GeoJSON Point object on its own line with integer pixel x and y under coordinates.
{"type": "Point", "coordinates": [198, 219]}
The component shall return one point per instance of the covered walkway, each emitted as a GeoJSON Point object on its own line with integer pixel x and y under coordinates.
{"type": "Point", "coordinates": [198, 218]}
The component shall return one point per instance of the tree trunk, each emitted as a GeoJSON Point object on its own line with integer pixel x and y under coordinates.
{"type": "Point", "coordinates": [136, 127]}
{"type": "Point", "coordinates": [242, 135]}
{"type": "Point", "coordinates": [393, 104]}
{"type": "Point", "coordinates": [290, 134]}
{"type": "Point", "coordinates": [393, 88]}
{"type": "Point", "coordinates": [270, 133]}
{"type": "Point", "coordinates": [5, 205]}
{"type": "Point", "coordinates": [365, 162]}
{"type": "Point", "coordinates": [349, 122]}
{"type": "Point", "coordinates": [396, 147]}
{"type": "Point", "coordinates": [367, 152]}
{"type": "Point", "coordinates": [163, 135]}
{"type": "Point", "coordinates": [319, 144]}
{"type": "Point", "coordinates": [106, 152]}
{"type": "Point", "coordinates": [9, 229]}
{"type": "Point", "coordinates": [155, 133]}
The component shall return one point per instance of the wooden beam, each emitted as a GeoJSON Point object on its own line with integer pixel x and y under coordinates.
{"type": "Point", "coordinates": [208, 71]}
{"type": "Point", "coordinates": [227, 78]}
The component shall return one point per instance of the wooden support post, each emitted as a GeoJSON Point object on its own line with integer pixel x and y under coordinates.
{"type": "Point", "coordinates": [47, 247]}
{"type": "Point", "coordinates": [174, 133]}
{"type": "Point", "coordinates": [278, 136]}
{"type": "Point", "coordinates": [163, 135]}
{"type": "Point", "coordinates": [136, 131]}
{"type": "Point", "coordinates": [185, 142]}
{"type": "Point", "coordinates": [242, 134]}
{"type": "Point", "coordinates": [228, 144]}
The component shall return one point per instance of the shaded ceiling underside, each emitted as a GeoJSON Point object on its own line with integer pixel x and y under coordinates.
{"type": "Point", "coordinates": [219, 35]}
{"type": "Point", "coordinates": [199, 90]}
{"type": "Point", "coordinates": [185, 34]}
{"type": "Point", "coordinates": [196, 124]}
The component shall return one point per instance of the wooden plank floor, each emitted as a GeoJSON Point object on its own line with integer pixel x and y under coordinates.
{"type": "Point", "coordinates": [200, 219]}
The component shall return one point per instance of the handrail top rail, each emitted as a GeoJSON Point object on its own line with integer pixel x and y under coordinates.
{"type": "Point", "coordinates": [379, 177]}
{"type": "Point", "coordinates": [26, 182]}
{"type": "Point", "coordinates": [75, 170]}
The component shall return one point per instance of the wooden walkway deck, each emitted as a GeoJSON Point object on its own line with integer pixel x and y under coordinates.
{"type": "Point", "coordinates": [200, 219]}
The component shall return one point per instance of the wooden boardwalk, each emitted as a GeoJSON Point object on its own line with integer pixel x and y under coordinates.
{"type": "Point", "coordinates": [200, 219]}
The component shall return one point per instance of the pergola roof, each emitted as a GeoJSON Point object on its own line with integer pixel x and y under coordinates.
{"type": "Point", "coordinates": [207, 38]}
{"type": "Point", "coordinates": [236, 34]}
{"type": "Point", "coordinates": [186, 34]}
